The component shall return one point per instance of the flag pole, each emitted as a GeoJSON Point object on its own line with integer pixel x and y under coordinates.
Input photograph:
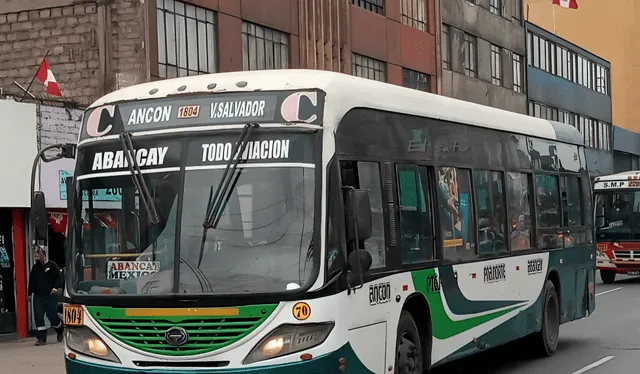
{"type": "Point", "coordinates": [553, 11]}
{"type": "Point", "coordinates": [34, 77]}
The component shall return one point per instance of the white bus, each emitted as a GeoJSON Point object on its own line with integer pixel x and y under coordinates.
{"type": "Point", "coordinates": [300, 221]}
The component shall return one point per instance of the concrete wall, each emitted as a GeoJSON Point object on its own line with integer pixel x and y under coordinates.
{"type": "Point", "coordinates": [464, 16]}
{"type": "Point", "coordinates": [93, 48]}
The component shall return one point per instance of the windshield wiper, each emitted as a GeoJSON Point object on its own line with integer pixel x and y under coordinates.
{"type": "Point", "coordinates": [215, 204]}
{"type": "Point", "coordinates": [138, 180]}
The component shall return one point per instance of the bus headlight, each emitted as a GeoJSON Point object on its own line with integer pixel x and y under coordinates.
{"type": "Point", "coordinates": [287, 339]}
{"type": "Point", "coordinates": [86, 342]}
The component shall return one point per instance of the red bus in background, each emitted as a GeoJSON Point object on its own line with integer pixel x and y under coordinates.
{"type": "Point", "coordinates": [617, 224]}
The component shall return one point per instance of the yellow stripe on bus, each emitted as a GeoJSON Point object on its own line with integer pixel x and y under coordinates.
{"type": "Point", "coordinates": [180, 312]}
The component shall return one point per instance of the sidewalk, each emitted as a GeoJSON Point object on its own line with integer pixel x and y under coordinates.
{"type": "Point", "coordinates": [23, 357]}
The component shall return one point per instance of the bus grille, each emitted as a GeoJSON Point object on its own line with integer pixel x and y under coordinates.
{"type": "Point", "coordinates": [626, 255]}
{"type": "Point", "coordinates": [206, 334]}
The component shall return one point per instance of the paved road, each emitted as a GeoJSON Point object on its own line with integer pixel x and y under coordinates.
{"type": "Point", "coordinates": [607, 342]}
{"type": "Point", "coordinates": [609, 338]}
{"type": "Point", "coordinates": [23, 357]}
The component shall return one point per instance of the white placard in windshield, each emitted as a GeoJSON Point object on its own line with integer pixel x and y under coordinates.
{"type": "Point", "coordinates": [123, 270]}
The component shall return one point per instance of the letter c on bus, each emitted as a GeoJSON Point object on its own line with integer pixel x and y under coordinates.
{"type": "Point", "coordinates": [290, 109]}
{"type": "Point", "coordinates": [93, 122]}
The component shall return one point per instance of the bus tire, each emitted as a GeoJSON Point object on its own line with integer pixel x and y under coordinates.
{"type": "Point", "coordinates": [607, 276]}
{"type": "Point", "coordinates": [409, 350]}
{"type": "Point", "coordinates": [547, 339]}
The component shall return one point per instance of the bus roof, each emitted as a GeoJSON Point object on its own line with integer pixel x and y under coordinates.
{"type": "Point", "coordinates": [623, 176]}
{"type": "Point", "coordinates": [345, 92]}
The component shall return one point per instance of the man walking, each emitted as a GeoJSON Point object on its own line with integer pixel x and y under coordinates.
{"type": "Point", "coordinates": [44, 281]}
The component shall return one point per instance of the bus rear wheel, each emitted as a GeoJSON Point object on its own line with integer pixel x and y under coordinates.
{"type": "Point", "coordinates": [607, 276]}
{"type": "Point", "coordinates": [409, 350]}
{"type": "Point", "coordinates": [547, 339]}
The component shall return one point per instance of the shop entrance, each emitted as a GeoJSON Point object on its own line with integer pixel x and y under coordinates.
{"type": "Point", "coordinates": [7, 275]}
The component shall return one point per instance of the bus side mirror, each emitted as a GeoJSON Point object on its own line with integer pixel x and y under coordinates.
{"type": "Point", "coordinates": [358, 209]}
{"type": "Point", "coordinates": [359, 261]}
{"type": "Point", "coordinates": [38, 216]}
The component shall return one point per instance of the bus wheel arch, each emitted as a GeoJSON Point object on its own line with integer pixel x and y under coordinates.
{"type": "Point", "coordinates": [418, 307]}
{"type": "Point", "coordinates": [545, 341]}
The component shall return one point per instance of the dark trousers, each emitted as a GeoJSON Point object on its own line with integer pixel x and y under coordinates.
{"type": "Point", "coordinates": [46, 305]}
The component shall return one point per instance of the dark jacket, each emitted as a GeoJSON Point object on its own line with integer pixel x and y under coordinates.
{"type": "Point", "coordinates": [44, 277]}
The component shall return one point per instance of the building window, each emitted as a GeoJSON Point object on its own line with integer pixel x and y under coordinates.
{"type": "Point", "coordinates": [517, 72]}
{"type": "Point", "coordinates": [413, 14]}
{"type": "Point", "coordinates": [470, 56]}
{"type": "Point", "coordinates": [376, 6]}
{"type": "Point", "coordinates": [370, 68]}
{"type": "Point", "coordinates": [496, 65]}
{"type": "Point", "coordinates": [567, 117]}
{"type": "Point", "coordinates": [415, 79]}
{"type": "Point", "coordinates": [495, 6]}
{"type": "Point", "coordinates": [446, 50]}
{"type": "Point", "coordinates": [186, 39]}
{"type": "Point", "coordinates": [602, 79]}
{"type": "Point", "coordinates": [517, 10]}
{"type": "Point", "coordinates": [543, 111]}
{"type": "Point", "coordinates": [604, 136]}
{"type": "Point", "coordinates": [264, 48]}
{"type": "Point", "coordinates": [562, 62]}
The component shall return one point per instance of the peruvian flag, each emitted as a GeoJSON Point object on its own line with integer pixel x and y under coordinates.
{"type": "Point", "coordinates": [569, 4]}
{"type": "Point", "coordinates": [45, 76]}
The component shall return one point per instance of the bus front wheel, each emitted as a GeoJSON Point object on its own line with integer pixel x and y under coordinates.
{"type": "Point", "coordinates": [607, 276]}
{"type": "Point", "coordinates": [409, 350]}
{"type": "Point", "coordinates": [547, 338]}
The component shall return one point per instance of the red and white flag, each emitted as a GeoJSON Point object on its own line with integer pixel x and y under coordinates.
{"type": "Point", "coordinates": [569, 4]}
{"type": "Point", "coordinates": [45, 75]}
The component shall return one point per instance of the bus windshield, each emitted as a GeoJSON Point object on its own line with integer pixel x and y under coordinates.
{"type": "Point", "coordinates": [618, 215]}
{"type": "Point", "coordinates": [261, 242]}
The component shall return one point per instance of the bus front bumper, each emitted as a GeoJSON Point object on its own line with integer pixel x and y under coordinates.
{"type": "Point", "coordinates": [326, 364]}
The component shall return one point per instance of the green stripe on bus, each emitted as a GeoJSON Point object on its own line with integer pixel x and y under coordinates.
{"type": "Point", "coordinates": [442, 326]}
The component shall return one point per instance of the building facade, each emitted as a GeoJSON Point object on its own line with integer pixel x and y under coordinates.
{"type": "Point", "coordinates": [614, 43]}
{"type": "Point", "coordinates": [483, 49]}
{"type": "Point", "coordinates": [569, 84]}
{"type": "Point", "coordinates": [97, 47]}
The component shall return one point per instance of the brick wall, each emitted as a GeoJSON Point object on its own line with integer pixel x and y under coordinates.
{"type": "Point", "coordinates": [77, 37]}
{"type": "Point", "coordinates": [58, 125]}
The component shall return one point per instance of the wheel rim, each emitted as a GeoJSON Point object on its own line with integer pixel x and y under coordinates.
{"type": "Point", "coordinates": [409, 356]}
{"type": "Point", "coordinates": [552, 319]}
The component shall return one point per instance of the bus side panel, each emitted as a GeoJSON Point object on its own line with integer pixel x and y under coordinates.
{"type": "Point", "coordinates": [489, 303]}
{"type": "Point", "coordinates": [573, 264]}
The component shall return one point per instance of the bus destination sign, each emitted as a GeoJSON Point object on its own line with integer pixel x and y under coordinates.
{"type": "Point", "coordinates": [204, 110]}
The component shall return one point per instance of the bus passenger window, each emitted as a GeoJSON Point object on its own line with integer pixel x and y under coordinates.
{"type": "Point", "coordinates": [571, 201]}
{"type": "Point", "coordinates": [366, 176]}
{"type": "Point", "coordinates": [519, 198]}
{"type": "Point", "coordinates": [548, 202]}
{"type": "Point", "coordinates": [456, 213]}
{"type": "Point", "coordinates": [491, 211]}
{"type": "Point", "coordinates": [416, 236]}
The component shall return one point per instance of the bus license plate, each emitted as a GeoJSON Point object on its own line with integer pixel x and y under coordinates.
{"type": "Point", "coordinates": [73, 315]}
{"type": "Point", "coordinates": [633, 272]}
